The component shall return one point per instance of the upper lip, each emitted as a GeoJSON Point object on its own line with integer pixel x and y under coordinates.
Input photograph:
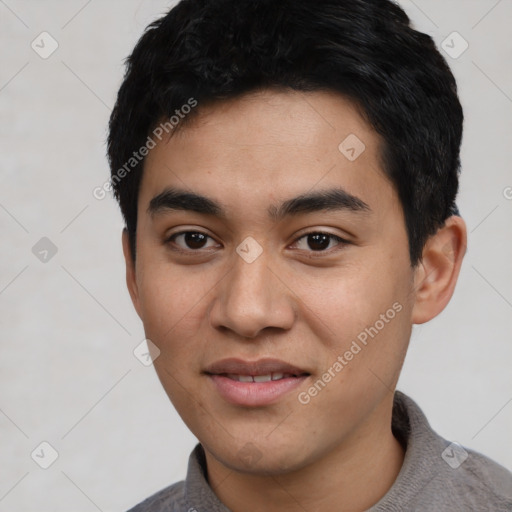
{"type": "Point", "coordinates": [259, 367]}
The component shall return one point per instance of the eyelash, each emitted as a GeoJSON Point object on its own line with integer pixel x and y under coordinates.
{"type": "Point", "coordinates": [341, 242]}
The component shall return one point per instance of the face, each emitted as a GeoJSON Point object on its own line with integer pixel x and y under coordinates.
{"type": "Point", "coordinates": [321, 285]}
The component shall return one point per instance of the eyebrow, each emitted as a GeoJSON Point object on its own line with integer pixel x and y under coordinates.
{"type": "Point", "coordinates": [333, 199]}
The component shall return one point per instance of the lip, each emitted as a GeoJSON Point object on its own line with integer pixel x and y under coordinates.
{"type": "Point", "coordinates": [253, 394]}
{"type": "Point", "coordinates": [258, 367]}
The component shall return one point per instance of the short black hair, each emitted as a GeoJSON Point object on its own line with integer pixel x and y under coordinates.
{"type": "Point", "coordinates": [366, 50]}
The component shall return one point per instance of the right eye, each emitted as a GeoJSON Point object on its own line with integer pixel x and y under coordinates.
{"type": "Point", "coordinates": [190, 241]}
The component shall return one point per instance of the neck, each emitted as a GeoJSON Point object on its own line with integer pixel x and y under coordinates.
{"type": "Point", "coordinates": [354, 475]}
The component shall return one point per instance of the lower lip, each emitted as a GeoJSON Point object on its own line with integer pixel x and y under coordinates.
{"type": "Point", "coordinates": [254, 393]}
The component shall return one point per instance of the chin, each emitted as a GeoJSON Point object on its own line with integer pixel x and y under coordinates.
{"type": "Point", "coordinates": [262, 461]}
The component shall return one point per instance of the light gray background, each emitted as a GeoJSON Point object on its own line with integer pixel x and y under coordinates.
{"type": "Point", "coordinates": [68, 375]}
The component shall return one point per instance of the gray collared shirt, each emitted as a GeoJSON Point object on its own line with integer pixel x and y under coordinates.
{"type": "Point", "coordinates": [436, 476]}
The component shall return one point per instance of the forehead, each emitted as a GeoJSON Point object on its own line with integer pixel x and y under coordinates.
{"type": "Point", "coordinates": [269, 145]}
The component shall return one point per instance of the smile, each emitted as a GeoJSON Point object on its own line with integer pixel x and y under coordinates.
{"type": "Point", "coordinates": [260, 378]}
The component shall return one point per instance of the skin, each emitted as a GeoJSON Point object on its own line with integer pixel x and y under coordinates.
{"type": "Point", "coordinates": [199, 307]}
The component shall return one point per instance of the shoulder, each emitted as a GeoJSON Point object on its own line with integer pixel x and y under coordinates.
{"type": "Point", "coordinates": [170, 499]}
{"type": "Point", "coordinates": [477, 484]}
{"type": "Point", "coordinates": [479, 481]}
{"type": "Point", "coordinates": [438, 475]}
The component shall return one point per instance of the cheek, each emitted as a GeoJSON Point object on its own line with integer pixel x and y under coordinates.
{"type": "Point", "coordinates": [361, 313]}
{"type": "Point", "coordinates": [349, 298]}
{"type": "Point", "coordinates": [172, 303]}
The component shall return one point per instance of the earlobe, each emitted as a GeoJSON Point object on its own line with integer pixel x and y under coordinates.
{"type": "Point", "coordinates": [436, 275]}
{"type": "Point", "coordinates": [131, 281]}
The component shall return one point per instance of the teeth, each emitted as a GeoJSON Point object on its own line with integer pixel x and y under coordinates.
{"type": "Point", "coordinates": [262, 378]}
{"type": "Point", "coordinates": [259, 378]}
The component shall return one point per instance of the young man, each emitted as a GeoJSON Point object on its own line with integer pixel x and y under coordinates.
{"type": "Point", "coordinates": [287, 171]}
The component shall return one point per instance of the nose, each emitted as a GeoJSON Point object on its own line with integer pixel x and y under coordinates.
{"type": "Point", "coordinates": [251, 297]}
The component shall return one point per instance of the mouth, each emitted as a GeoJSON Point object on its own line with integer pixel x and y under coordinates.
{"type": "Point", "coordinates": [259, 368]}
{"type": "Point", "coordinates": [261, 378]}
{"type": "Point", "coordinates": [254, 383]}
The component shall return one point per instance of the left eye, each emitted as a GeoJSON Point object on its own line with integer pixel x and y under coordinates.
{"type": "Point", "coordinates": [319, 242]}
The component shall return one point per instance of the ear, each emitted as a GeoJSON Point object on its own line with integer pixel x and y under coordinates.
{"type": "Point", "coordinates": [436, 275]}
{"type": "Point", "coordinates": [131, 281]}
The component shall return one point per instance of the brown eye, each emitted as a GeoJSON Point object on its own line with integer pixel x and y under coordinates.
{"type": "Point", "coordinates": [190, 240]}
{"type": "Point", "coordinates": [195, 240]}
{"type": "Point", "coordinates": [319, 242]}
